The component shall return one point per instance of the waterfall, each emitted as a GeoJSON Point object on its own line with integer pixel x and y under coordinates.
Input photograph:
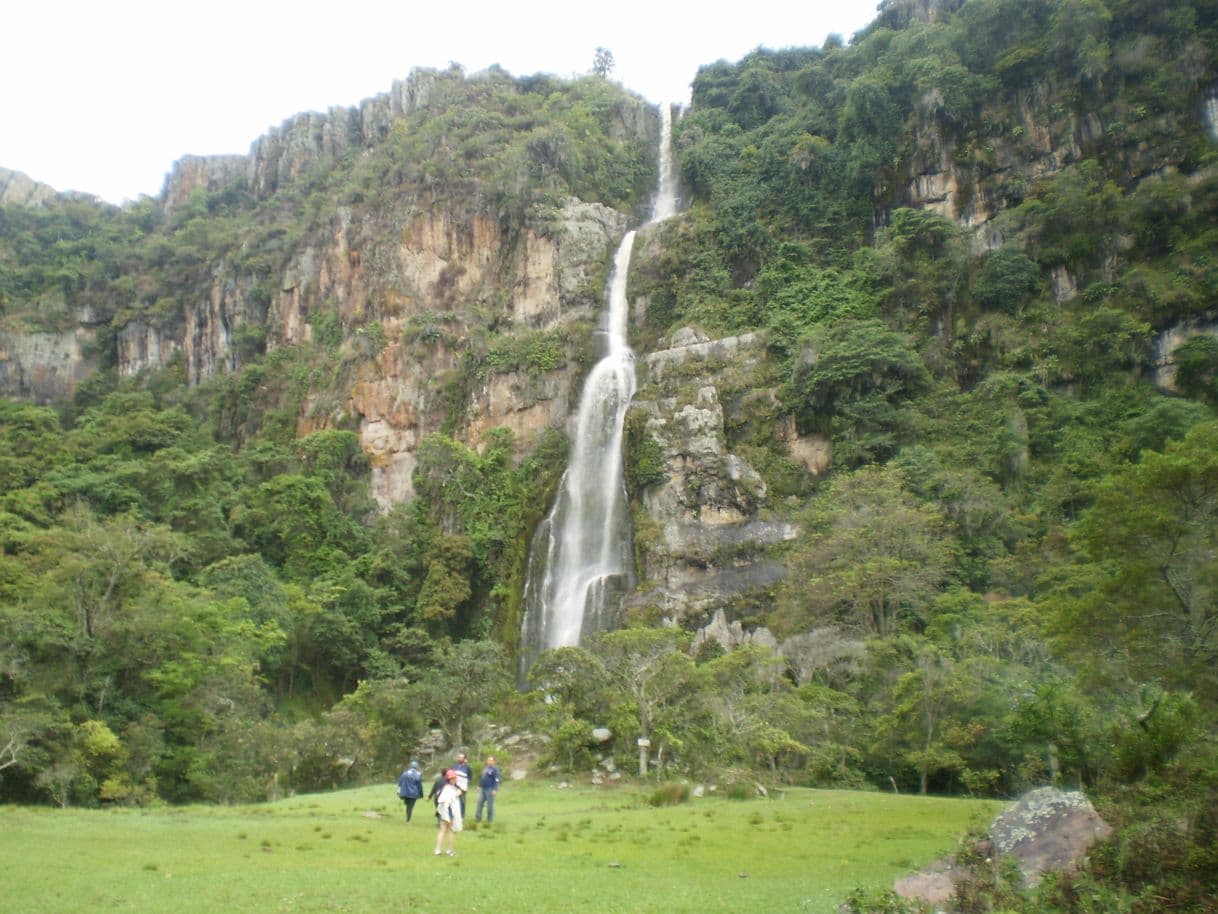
{"type": "Point", "coordinates": [665, 204]}
{"type": "Point", "coordinates": [579, 566]}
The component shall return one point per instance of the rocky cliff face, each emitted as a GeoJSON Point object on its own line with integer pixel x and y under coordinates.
{"type": "Point", "coordinates": [18, 189]}
{"type": "Point", "coordinates": [1032, 138]}
{"type": "Point", "coordinates": [394, 398]}
{"type": "Point", "coordinates": [312, 139]}
{"type": "Point", "coordinates": [900, 14]}
{"type": "Point", "coordinates": [405, 281]}
{"type": "Point", "coordinates": [45, 367]}
{"type": "Point", "coordinates": [299, 144]}
{"type": "Point", "coordinates": [1035, 146]}
{"type": "Point", "coordinates": [419, 278]}
{"type": "Point", "coordinates": [703, 543]}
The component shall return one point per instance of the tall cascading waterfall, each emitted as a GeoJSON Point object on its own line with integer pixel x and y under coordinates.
{"type": "Point", "coordinates": [579, 566]}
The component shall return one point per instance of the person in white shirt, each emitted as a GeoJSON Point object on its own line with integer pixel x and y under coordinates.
{"type": "Point", "coordinates": [448, 808]}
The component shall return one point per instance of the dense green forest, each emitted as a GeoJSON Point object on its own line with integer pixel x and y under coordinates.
{"type": "Point", "coordinates": [1007, 578]}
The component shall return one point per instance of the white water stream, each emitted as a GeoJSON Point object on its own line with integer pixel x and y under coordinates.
{"type": "Point", "coordinates": [580, 564]}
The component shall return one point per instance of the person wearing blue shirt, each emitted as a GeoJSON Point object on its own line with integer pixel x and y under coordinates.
{"type": "Point", "coordinates": [488, 786]}
{"type": "Point", "coordinates": [410, 787]}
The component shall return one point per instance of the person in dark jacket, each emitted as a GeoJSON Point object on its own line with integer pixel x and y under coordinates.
{"type": "Point", "coordinates": [463, 770]}
{"type": "Point", "coordinates": [410, 787]}
{"type": "Point", "coordinates": [488, 786]}
{"type": "Point", "coordinates": [434, 793]}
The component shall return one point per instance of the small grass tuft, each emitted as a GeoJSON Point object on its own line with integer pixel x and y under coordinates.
{"type": "Point", "coordinates": [671, 794]}
{"type": "Point", "coordinates": [741, 790]}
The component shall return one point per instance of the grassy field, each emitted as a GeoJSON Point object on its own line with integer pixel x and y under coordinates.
{"type": "Point", "coordinates": [551, 850]}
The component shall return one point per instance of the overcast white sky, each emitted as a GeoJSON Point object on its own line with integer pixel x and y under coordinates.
{"type": "Point", "coordinates": [103, 96]}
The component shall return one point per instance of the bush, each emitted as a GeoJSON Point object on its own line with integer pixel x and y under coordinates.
{"type": "Point", "coordinates": [669, 795]}
{"type": "Point", "coordinates": [880, 901]}
{"type": "Point", "coordinates": [740, 790]}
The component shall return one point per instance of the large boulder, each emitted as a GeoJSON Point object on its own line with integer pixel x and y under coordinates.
{"type": "Point", "coordinates": [1046, 830]}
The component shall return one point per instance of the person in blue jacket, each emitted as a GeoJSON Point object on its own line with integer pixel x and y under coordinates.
{"type": "Point", "coordinates": [488, 786]}
{"type": "Point", "coordinates": [410, 787]}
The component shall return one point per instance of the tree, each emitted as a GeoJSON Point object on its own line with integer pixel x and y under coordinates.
{"type": "Point", "coordinates": [1150, 540]}
{"type": "Point", "coordinates": [469, 678]}
{"type": "Point", "coordinates": [875, 557]}
{"type": "Point", "coordinates": [651, 672]}
{"type": "Point", "coordinates": [29, 727]}
{"type": "Point", "coordinates": [343, 634]}
{"type": "Point", "coordinates": [30, 444]}
{"type": "Point", "coordinates": [923, 720]}
{"type": "Point", "coordinates": [746, 690]}
{"type": "Point", "coordinates": [1078, 39]}
{"type": "Point", "coordinates": [248, 577]}
{"type": "Point", "coordinates": [97, 564]}
{"type": "Point", "coordinates": [574, 676]}
{"type": "Point", "coordinates": [852, 380]}
{"type": "Point", "coordinates": [602, 63]}
{"type": "Point", "coordinates": [1197, 368]}
{"type": "Point", "coordinates": [925, 695]}
{"type": "Point", "coordinates": [1008, 280]}
{"type": "Point", "coordinates": [336, 458]}
{"type": "Point", "coordinates": [1054, 726]}
{"type": "Point", "coordinates": [293, 522]}
{"type": "Point", "coordinates": [827, 655]}
{"type": "Point", "coordinates": [446, 584]}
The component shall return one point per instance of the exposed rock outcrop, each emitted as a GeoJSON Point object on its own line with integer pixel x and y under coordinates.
{"type": "Point", "coordinates": [900, 14]}
{"type": "Point", "coordinates": [451, 262]}
{"type": "Point", "coordinates": [299, 144]}
{"type": "Point", "coordinates": [1166, 344]}
{"type": "Point", "coordinates": [731, 635]}
{"type": "Point", "coordinates": [406, 283]}
{"type": "Point", "coordinates": [45, 367]}
{"type": "Point", "coordinates": [1046, 830]}
{"type": "Point", "coordinates": [709, 542]}
{"type": "Point", "coordinates": [17, 189]}
{"type": "Point", "coordinates": [402, 271]}
{"type": "Point", "coordinates": [1034, 146]}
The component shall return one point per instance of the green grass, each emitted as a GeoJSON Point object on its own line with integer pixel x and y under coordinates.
{"type": "Point", "coordinates": [550, 850]}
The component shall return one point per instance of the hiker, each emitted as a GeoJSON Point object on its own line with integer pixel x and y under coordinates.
{"type": "Point", "coordinates": [434, 793]}
{"type": "Point", "coordinates": [488, 786]}
{"type": "Point", "coordinates": [461, 766]}
{"type": "Point", "coordinates": [448, 810]}
{"type": "Point", "coordinates": [410, 787]}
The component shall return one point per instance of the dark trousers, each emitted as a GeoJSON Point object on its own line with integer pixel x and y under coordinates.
{"type": "Point", "coordinates": [409, 801]}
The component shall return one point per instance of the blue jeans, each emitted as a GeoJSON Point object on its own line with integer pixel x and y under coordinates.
{"type": "Point", "coordinates": [485, 798]}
